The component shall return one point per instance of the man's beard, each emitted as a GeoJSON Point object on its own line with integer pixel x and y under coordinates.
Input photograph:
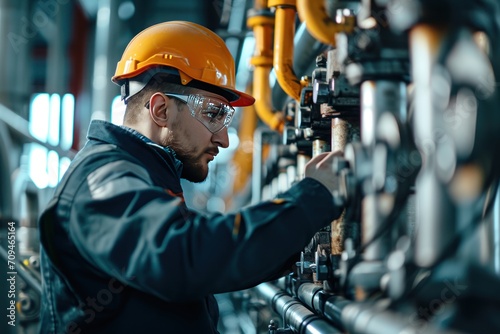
{"type": "Point", "coordinates": [193, 169]}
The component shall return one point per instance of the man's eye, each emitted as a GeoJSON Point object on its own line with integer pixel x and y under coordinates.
{"type": "Point", "coordinates": [214, 113]}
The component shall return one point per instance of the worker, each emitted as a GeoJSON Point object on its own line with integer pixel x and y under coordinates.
{"type": "Point", "coordinates": [121, 251]}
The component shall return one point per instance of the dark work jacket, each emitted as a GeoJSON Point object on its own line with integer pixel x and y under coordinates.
{"type": "Point", "coordinates": [121, 252]}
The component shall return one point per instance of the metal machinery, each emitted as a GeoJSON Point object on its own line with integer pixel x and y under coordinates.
{"type": "Point", "coordinates": [407, 90]}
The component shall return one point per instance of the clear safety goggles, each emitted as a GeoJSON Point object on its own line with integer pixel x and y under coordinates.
{"type": "Point", "coordinates": [213, 113]}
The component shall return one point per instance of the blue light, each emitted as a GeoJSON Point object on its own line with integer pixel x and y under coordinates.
{"type": "Point", "coordinates": [39, 117]}
{"type": "Point", "coordinates": [54, 119]}
{"type": "Point", "coordinates": [53, 168]}
{"type": "Point", "coordinates": [117, 110]}
{"type": "Point", "coordinates": [67, 122]}
{"type": "Point", "coordinates": [38, 165]}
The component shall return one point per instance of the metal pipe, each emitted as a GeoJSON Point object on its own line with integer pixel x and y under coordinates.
{"type": "Point", "coordinates": [6, 168]}
{"type": "Point", "coordinates": [261, 153]}
{"type": "Point", "coordinates": [319, 146]}
{"type": "Point", "coordinates": [435, 215]}
{"type": "Point", "coordinates": [257, 166]}
{"type": "Point", "coordinates": [306, 49]}
{"type": "Point", "coordinates": [369, 318]}
{"type": "Point", "coordinates": [319, 23]}
{"type": "Point", "coordinates": [340, 134]}
{"type": "Point", "coordinates": [496, 234]}
{"type": "Point", "coordinates": [260, 4]}
{"type": "Point", "coordinates": [275, 120]}
{"type": "Point", "coordinates": [103, 90]}
{"type": "Point", "coordinates": [339, 139]}
{"type": "Point", "coordinates": [295, 315]}
{"type": "Point", "coordinates": [377, 97]}
{"type": "Point", "coordinates": [283, 47]}
{"type": "Point", "coordinates": [16, 39]}
{"type": "Point", "coordinates": [57, 62]}
{"type": "Point", "coordinates": [302, 160]}
{"type": "Point", "coordinates": [324, 303]}
{"type": "Point", "coordinates": [306, 293]}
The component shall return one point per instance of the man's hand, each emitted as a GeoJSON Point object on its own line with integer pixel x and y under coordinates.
{"type": "Point", "coordinates": [323, 169]}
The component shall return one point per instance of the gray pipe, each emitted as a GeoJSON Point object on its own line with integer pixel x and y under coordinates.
{"type": "Point", "coordinates": [294, 314]}
{"type": "Point", "coordinates": [369, 318]}
{"type": "Point", "coordinates": [324, 303]}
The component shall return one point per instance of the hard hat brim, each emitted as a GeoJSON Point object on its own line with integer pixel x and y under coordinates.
{"type": "Point", "coordinates": [244, 99]}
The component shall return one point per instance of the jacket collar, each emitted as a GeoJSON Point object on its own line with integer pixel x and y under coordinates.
{"type": "Point", "coordinates": [132, 141]}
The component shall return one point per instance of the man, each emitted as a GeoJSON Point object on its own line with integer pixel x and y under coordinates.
{"type": "Point", "coordinates": [121, 252]}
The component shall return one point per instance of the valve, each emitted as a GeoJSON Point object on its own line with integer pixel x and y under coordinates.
{"type": "Point", "coordinates": [321, 266]}
{"type": "Point", "coordinates": [304, 111]}
{"type": "Point", "coordinates": [305, 267]}
{"type": "Point", "coordinates": [273, 329]}
{"type": "Point", "coordinates": [321, 90]}
{"type": "Point", "coordinates": [341, 191]}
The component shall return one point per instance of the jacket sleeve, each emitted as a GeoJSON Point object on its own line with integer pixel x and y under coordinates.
{"type": "Point", "coordinates": [148, 239]}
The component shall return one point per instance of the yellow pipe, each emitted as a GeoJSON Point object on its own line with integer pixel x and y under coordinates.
{"type": "Point", "coordinates": [262, 61]}
{"type": "Point", "coordinates": [283, 47]}
{"type": "Point", "coordinates": [275, 120]}
{"type": "Point", "coordinates": [319, 24]}
{"type": "Point", "coordinates": [242, 160]}
{"type": "Point", "coordinates": [243, 156]}
{"type": "Point", "coordinates": [260, 4]}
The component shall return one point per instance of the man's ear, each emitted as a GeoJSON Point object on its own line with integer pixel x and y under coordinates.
{"type": "Point", "coordinates": [158, 110]}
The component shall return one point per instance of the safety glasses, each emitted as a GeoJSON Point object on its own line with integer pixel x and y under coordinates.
{"type": "Point", "coordinates": [213, 113]}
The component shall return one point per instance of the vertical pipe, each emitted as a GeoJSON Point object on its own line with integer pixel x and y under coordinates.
{"type": "Point", "coordinates": [434, 214]}
{"type": "Point", "coordinates": [16, 34]}
{"type": "Point", "coordinates": [103, 90]}
{"type": "Point", "coordinates": [302, 160]}
{"type": "Point", "coordinates": [17, 31]}
{"type": "Point", "coordinates": [340, 133]}
{"type": "Point", "coordinates": [283, 47]}
{"type": "Point", "coordinates": [377, 97]}
{"type": "Point", "coordinates": [319, 146]}
{"type": "Point", "coordinates": [368, 114]}
{"type": "Point", "coordinates": [257, 166]}
{"type": "Point", "coordinates": [262, 60]}
{"type": "Point", "coordinates": [56, 55]}
{"type": "Point", "coordinates": [496, 234]}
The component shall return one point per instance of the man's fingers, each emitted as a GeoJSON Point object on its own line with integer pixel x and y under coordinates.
{"type": "Point", "coordinates": [318, 158]}
{"type": "Point", "coordinates": [324, 157]}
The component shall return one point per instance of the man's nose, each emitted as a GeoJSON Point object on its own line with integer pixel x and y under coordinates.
{"type": "Point", "coordinates": [221, 138]}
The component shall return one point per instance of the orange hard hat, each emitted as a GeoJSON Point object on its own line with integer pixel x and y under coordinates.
{"type": "Point", "coordinates": [200, 57]}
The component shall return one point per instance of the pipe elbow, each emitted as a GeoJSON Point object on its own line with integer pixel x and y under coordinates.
{"type": "Point", "coordinates": [262, 25]}
{"type": "Point", "coordinates": [283, 49]}
{"type": "Point", "coordinates": [319, 24]}
{"type": "Point", "coordinates": [262, 94]}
